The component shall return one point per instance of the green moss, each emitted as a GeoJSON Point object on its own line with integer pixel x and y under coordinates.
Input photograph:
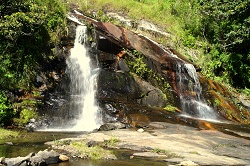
{"type": "Point", "coordinates": [36, 93]}
{"type": "Point", "coordinates": [217, 102]}
{"type": "Point", "coordinates": [28, 102]}
{"type": "Point", "coordinates": [229, 114]}
{"type": "Point", "coordinates": [170, 108]}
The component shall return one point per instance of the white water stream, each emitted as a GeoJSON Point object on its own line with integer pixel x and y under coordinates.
{"type": "Point", "coordinates": [191, 94]}
{"type": "Point", "coordinates": [83, 85]}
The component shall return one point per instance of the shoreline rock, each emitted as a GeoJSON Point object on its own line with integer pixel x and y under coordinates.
{"type": "Point", "coordinates": [175, 144]}
{"type": "Point", "coordinates": [41, 158]}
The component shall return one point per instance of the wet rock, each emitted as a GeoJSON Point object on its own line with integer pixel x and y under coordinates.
{"type": "Point", "coordinates": [123, 66]}
{"type": "Point", "coordinates": [92, 143]}
{"type": "Point", "coordinates": [50, 157]}
{"type": "Point", "coordinates": [245, 101]}
{"type": "Point", "coordinates": [2, 159]}
{"type": "Point", "coordinates": [63, 157]}
{"type": "Point", "coordinates": [226, 107]}
{"type": "Point", "coordinates": [158, 125]}
{"type": "Point", "coordinates": [151, 29]}
{"type": "Point", "coordinates": [38, 161]}
{"type": "Point", "coordinates": [22, 161]}
{"type": "Point", "coordinates": [117, 86]}
{"type": "Point", "coordinates": [39, 81]}
{"type": "Point", "coordinates": [150, 95]}
{"type": "Point", "coordinates": [18, 161]}
{"type": "Point", "coordinates": [32, 120]}
{"type": "Point", "coordinates": [42, 158]}
{"type": "Point", "coordinates": [140, 130]}
{"type": "Point", "coordinates": [139, 120]}
{"type": "Point", "coordinates": [224, 102]}
{"type": "Point", "coordinates": [9, 143]}
{"type": "Point", "coordinates": [125, 21]}
{"type": "Point", "coordinates": [187, 163]}
{"type": "Point", "coordinates": [31, 126]}
{"type": "Point", "coordinates": [109, 108]}
{"type": "Point", "coordinates": [112, 126]}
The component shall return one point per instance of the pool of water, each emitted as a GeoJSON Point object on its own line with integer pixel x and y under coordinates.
{"type": "Point", "coordinates": [34, 142]}
{"type": "Point", "coordinates": [30, 142]}
{"type": "Point", "coordinates": [123, 160]}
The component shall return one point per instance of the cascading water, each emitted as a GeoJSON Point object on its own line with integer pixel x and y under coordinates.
{"type": "Point", "coordinates": [83, 85]}
{"type": "Point", "coordinates": [192, 102]}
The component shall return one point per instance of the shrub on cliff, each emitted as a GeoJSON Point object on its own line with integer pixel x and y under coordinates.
{"type": "Point", "coordinates": [28, 29]}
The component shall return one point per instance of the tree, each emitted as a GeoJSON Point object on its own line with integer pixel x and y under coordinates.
{"type": "Point", "coordinates": [27, 28]}
{"type": "Point", "coordinates": [28, 31]}
{"type": "Point", "coordinates": [226, 24]}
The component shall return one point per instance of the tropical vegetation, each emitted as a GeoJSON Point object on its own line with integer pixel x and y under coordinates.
{"type": "Point", "coordinates": [29, 29]}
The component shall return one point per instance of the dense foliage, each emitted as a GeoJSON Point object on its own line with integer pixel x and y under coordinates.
{"type": "Point", "coordinates": [226, 25]}
{"type": "Point", "coordinates": [6, 111]}
{"type": "Point", "coordinates": [28, 31]}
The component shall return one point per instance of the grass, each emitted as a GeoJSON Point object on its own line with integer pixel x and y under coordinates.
{"type": "Point", "coordinates": [158, 12]}
{"type": "Point", "coordinates": [159, 151]}
{"type": "Point", "coordinates": [93, 152]}
{"type": "Point", "coordinates": [4, 134]}
{"type": "Point", "coordinates": [111, 142]}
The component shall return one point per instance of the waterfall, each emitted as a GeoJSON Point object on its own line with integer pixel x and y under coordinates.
{"type": "Point", "coordinates": [83, 74]}
{"type": "Point", "coordinates": [190, 90]}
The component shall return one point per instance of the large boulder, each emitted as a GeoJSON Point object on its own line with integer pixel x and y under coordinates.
{"type": "Point", "coordinates": [117, 86]}
{"type": "Point", "coordinates": [42, 158]}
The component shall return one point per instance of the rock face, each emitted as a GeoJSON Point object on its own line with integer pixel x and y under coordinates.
{"type": "Point", "coordinates": [117, 85]}
{"type": "Point", "coordinates": [146, 90]}
{"type": "Point", "coordinates": [112, 126]}
{"type": "Point", "coordinates": [138, 75]}
{"type": "Point", "coordinates": [226, 103]}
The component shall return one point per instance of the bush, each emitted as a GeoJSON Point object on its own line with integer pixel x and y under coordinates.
{"type": "Point", "coordinates": [25, 117]}
{"type": "Point", "coordinates": [225, 24]}
{"type": "Point", "coordinates": [6, 111]}
{"type": "Point", "coordinates": [28, 31]}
